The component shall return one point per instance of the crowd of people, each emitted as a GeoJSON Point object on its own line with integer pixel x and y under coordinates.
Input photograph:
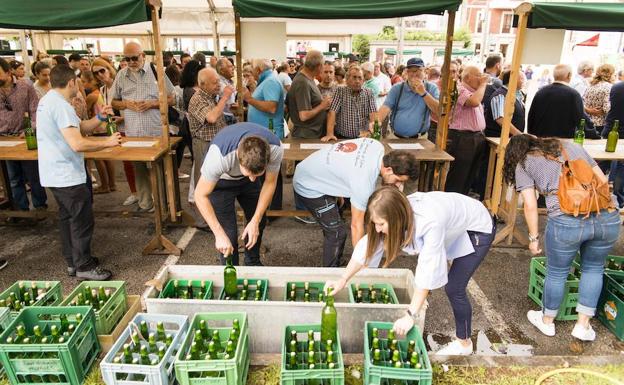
{"type": "Point", "coordinates": [69, 100]}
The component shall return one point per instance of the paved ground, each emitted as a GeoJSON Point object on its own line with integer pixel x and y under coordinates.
{"type": "Point", "coordinates": [498, 292]}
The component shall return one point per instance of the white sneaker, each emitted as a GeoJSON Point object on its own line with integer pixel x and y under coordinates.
{"type": "Point", "coordinates": [536, 318]}
{"type": "Point", "coordinates": [583, 334]}
{"type": "Point", "coordinates": [132, 199]}
{"type": "Point", "coordinates": [455, 348]}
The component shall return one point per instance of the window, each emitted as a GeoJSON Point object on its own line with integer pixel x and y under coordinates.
{"type": "Point", "coordinates": [479, 22]}
{"type": "Point", "coordinates": [507, 22]}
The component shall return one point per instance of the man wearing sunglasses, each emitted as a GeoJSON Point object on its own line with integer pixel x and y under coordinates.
{"type": "Point", "coordinates": [18, 97]}
{"type": "Point", "coordinates": [135, 91]}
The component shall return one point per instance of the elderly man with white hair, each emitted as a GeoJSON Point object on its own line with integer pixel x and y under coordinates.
{"type": "Point", "coordinates": [370, 82]}
{"type": "Point", "coordinates": [584, 73]}
{"type": "Point", "coordinates": [267, 101]}
{"type": "Point", "coordinates": [206, 118]}
{"type": "Point", "coordinates": [266, 104]}
{"type": "Point", "coordinates": [135, 91]}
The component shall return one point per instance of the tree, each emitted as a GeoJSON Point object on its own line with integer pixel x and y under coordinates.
{"type": "Point", "coordinates": [361, 45]}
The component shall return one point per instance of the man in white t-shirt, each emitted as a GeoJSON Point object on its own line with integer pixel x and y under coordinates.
{"type": "Point", "coordinates": [347, 169]}
{"type": "Point", "coordinates": [61, 144]}
{"type": "Point", "coordinates": [384, 83]}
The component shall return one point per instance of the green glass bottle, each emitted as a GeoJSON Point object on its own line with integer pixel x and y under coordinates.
{"type": "Point", "coordinates": [292, 362]}
{"type": "Point", "coordinates": [614, 136]}
{"type": "Point", "coordinates": [330, 356]}
{"type": "Point", "coordinates": [168, 339]}
{"type": "Point", "coordinates": [29, 133]}
{"type": "Point", "coordinates": [329, 319]}
{"type": "Point", "coordinates": [376, 130]}
{"type": "Point", "coordinates": [579, 134]}
{"type": "Point", "coordinates": [230, 349]}
{"type": "Point", "coordinates": [199, 340]}
{"type": "Point", "coordinates": [127, 354]}
{"type": "Point", "coordinates": [102, 294]}
{"type": "Point", "coordinates": [292, 346]}
{"type": "Point", "coordinates": [236, 327]}
{"type": "Point", "coordinates": [160, 331]}
{"type": "Point", "coordinates": [144, 355]}
{"type": "Point", "coordinates": [144, 329]}
{"type": "Point", "coordinates": [271, 128]}
{"type": "Point", "coordinates": [414, 361]}
{"type": "Point", "coordinates": [111, 126]}
{"type": "Point", "coordinates": [229, 278]}
{"type": "Point", "coordinates": [377, 357]}
{"type": "Point", "coordinates": [212, 350]}
{"type": "Point", "coordinates": [195, 354]}
{"type": "Point", "coordinates": [216, 339]}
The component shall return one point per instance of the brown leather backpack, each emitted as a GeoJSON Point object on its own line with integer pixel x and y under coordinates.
{"type": "Point", "coordinates": [580, 190]}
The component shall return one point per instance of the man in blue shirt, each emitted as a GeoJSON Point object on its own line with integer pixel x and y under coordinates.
{"type": "Point", "coordinates": [267, 103]}
{"type": "Point", "coordinates": [61, 168]}
{"type": "Point", "coordinates": [347, 169]}
{"type": "Point", "coordinates": [411, 103]}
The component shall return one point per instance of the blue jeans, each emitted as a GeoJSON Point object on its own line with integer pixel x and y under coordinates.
{"type": "Point", "coordinates": [565, 236]}
{"type": "Point", "coordinates": [21, 172]}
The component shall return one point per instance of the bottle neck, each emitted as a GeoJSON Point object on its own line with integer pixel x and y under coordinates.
{"type": "Point", "coordinates": [330, 300]}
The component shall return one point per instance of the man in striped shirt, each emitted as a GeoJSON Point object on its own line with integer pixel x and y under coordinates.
{"type": "Point", "coordinates": [465, 136]}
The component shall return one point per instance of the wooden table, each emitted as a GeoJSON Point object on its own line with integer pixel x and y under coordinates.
{"type": "Point", "coordinates": [166, 195]}
{"type": "Point", "coordinates": [509, 207]}
{"type": "Point", "coordinates": [434, 163]}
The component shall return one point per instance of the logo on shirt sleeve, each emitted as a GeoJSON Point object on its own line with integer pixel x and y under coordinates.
{"type": "Point", "coordinates": [346, 147]}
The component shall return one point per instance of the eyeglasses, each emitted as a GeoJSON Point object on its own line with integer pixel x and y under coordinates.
{"type": "Point", "coordinates": [101, 71]}
{"type": "Point", "coordinates": [132, 58]}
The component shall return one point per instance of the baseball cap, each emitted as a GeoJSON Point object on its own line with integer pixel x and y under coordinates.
{"type": "Point", "coordinates": [415, 62]}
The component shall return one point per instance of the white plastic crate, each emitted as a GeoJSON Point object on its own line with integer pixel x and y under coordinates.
{"type": "Point", "coordinates": [161, 374]}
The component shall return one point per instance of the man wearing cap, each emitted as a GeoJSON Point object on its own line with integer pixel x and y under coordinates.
{"type": "Point", "coordinates": [411, 103]}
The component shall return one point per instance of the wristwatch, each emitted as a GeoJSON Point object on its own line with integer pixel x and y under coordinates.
{"type": "Point", "coordinates": [533, 238]}
{"type": "Point", "coordinates": [423, 95]}
{"type": "Point", "coordinates": [409, 313]}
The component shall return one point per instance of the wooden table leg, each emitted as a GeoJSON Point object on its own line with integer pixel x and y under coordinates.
{"type": "Point", "coordinates": [422, 177]}
{"type": "Point", "coordinates": [490, 173]}
{"type": "Point", "coordinates": [171, 181]}
{"type": "Point", "coordinates": [442, 176]}
{"type": "Point", "coordinates": [177, 214]}
{"type": "Point", "coordinates": [7, 202]}
{"type": "Point", "coordinates": [159, 244]}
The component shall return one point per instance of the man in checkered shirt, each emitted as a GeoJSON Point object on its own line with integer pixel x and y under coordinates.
{"type": "Point", "coordinates": [136, 92]}
{"type": "Point", "coordinates": [353, 109]}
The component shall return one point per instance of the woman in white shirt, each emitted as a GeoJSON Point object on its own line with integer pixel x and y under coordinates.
{"type": "Point", "coordinates": [441, 227]}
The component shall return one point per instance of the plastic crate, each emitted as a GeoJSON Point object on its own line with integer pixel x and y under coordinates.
{"type": "Point", "coordinates": [113, 310]}
{"type": "Point", "coordinates": [161, 374]}
{"type": "Point", "coordinates": [366, 292]}
{"type": "Point", "coordinates": [618, 260]}
{"type": "Point", "coordinates": [537, 277]}
{"type": "Point", "coordinates": [385, 375]}
{"type": "Point", "coordinates": [321, 376]}
{"type": "Point", "coordinates": [195, 284]}
{"type": "Point", "coordinates": [108, 340]}
{"type": "Point", "coordinates": [66, 363]}
{"type": "Point", "coordinates": [611, 304]}
{"type": "Point", "coordinates": [251, 291]}
{"type": "Point", "coordinates": [315, 289]}
{"type": "Point", "coordinates": [51, 298]}
{"type": "Point", "coordinates": [215, 372]}
{"type": "Point", "coordinates": [5, 321]}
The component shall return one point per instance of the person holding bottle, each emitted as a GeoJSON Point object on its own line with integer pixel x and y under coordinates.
{"type": "Point", "coordinates": [441, 227]}
{"type": "Point", "coordinates": [535, 164]}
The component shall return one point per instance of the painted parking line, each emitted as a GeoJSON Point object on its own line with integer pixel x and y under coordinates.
{"type": "Point", "coordinates": [493, 316]}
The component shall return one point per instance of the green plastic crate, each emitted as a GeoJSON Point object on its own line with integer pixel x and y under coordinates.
{"type": "Point", "coordinates": [252, 289]}
{"type": "Point", "coordinates": [113, 310]}
{"type": "Point", "coordinates": [608, 269]}
{"type": "Point", "coordinates": [195, 284]}
{"type": "Point", "coordinates": [537, 277]}
{"type": "Point", "coordinates": [215, 372]}
{"type": "Point", "coordinates": [385, 375]}
{"type": "Point", "coordinates": [5, 321]}
{"type": "Point", "coordinates": [366, 290]}
{"type": "Point", "coordinates": [611, 304]}
{"type": "Point", "coordinates": [66, 363]}
{"type": "Point", "coordinates": [51, 298]}
{"type": "Point", "coordinates": [315, 289]}
{"type": "Point", "coordinates": [305, 376]}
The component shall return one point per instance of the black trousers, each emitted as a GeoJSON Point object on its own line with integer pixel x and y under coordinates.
{"type": "Point", "coordinates": [76, 225]}
{"type": "Point", "coordinates": [223, 199]}
{"type": "Point", "coordinates": [327, 213]}
{"type": "Point", "coordinates": [459, 275]}
{"type": "Point", "coordinates": [466, 147]}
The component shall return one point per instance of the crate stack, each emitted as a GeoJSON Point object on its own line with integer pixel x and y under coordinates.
{"type": "Point", "coordinates": [23, 294]}
{"type": "Point", "coordinates": [380, 293]}
{"type": "Point", "coordinates": [392, 361]}
{"type": "Point", "coordinates": [108, 299]}
{"type": "Point", "coordinates": [50, 344]}
{"type": "Point", "coordinates": [146, 350]}
{"type": "Point", "coordinates": [252, 289]}
{"type": "Point", "coordinates": [537, 277]}
{"type": "Point", "coordinates": [306, 360]}
{"type": "Point", "coordinates": [215, 350]}
{"type": "Point", "coordinates": [304, 292]}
